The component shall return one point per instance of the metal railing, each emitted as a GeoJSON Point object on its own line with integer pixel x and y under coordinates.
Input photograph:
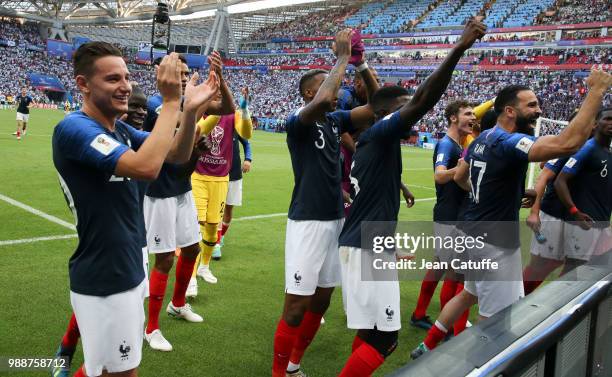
{"type": "Point", "coordinates": [563, 329]}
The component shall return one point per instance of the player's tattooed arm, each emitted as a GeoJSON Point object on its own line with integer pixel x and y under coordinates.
{"type": "Point", "coordinates": [430, 92]}
{"type": "Point", "coordinates": [462, 175]}
{"type": "Point", "coordinates": [326, 96]}
{"type": "Point", "coordinates": [579, 129]}
{"type": "Point", "coordinates": [562, 188]}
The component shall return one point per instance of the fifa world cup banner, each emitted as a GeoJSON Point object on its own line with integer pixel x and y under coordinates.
{"type": "Point", "coordinates": [59, 48]}
{"type": "Point", "coordinates": [44, 82]}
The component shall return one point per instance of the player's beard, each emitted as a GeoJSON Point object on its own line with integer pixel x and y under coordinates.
{"type": "Point", "coordinates": [524, 124]}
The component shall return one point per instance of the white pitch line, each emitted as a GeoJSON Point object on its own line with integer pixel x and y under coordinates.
{"type": "Point", "coordinates": [37, 239]}
{"type": "Point", "coordinates": [419, 186]}
{"type": "Point", "coordinates": [37, 212]}
{"type": "Point", "coordinates": [285, 214]}
{"type": "Point", "coordinates": [260, 216]}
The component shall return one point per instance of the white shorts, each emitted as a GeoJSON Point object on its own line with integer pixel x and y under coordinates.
{"type": "Point", "coordinates": [605, 242]}
{"type": "Point", "coordinates": [579, 243]}
{"type": "Point", "coordinates": [234, 193]}
{"type": "Point", "coordinates": [111, 329]}
{"type": "Point", "coordinates": [553, 229]}
{"type": "Point", "coordinates": [311, 256]}
{"type": "Point", "coordinates": [171, 223]}
{"type": "Point", "coordinates": [145, 262]}
{"type": "Point", "coordinates": [369, 304]}
{"type": "Point", "coordinates": [496, 289]}
{"type": "Point", "coordinates": [443, 231]}
{"type": "Point", "coordinates": [22, 117]}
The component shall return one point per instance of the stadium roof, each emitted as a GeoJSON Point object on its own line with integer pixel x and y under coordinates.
{"type": "Point", "coordinates": [246, 15]}
{"type": "Point", "coordinates": [133, 9]}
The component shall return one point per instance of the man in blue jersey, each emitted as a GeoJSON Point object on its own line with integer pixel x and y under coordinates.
{"type": "Point", "coordinates": [449, 198]}
{"type": "Point", "coordinates": [494, 170]}
{"type": "Point", "coordinates": [24, 103]}
{"type": "Point", "coordinates": [585, 189]}
{"type": "Point", "coordinates": [98, 158]}
{"type": "Point", "coordinates": [316, 212]}
{"type": "Point", "coordinates": [373, 307]}
{"type": "Point", "coordinates": [547, 220]}
{"type": "Point", "coordinates": [137, 107]}
{"type": "Point", "coordinates": [172, 222]}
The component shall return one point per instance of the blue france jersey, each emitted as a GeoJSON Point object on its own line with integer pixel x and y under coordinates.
{"type": "Point", "coordinates": [375, 180]}
{"type": "Point", "coordinates": [498, 166]}
{"type": "Point", "coordinates": [347, 98]}
{"type": "Point", "coordinates": [591, 186]}
{"type": "Point", "coordinates": [551, 204]}
{"type": "Point", "coordinates": [168, 183]}
{"type": "Point", "coordinates": [315, 158]}
{"type": "Point", "coordinates": [108, 258]}
{"type": "Point", "coordinates": [449, 196]}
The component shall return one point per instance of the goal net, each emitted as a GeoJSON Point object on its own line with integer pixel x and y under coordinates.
{"type": "Point", "coordinates": [544, 127]}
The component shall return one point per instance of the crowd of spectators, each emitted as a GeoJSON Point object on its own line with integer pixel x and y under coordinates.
{"type": "Point", "coordinates": [577, 11]}
{"type": "Point", "coordinates": [326, 22]}
{"type": "Point", "coordinates": [560, 92]}
{"type": "Point", "coordinates": [275, 93]}
{"type": "Point", "coordinates": [549, 56]}
{"type": "Point", "coordinates": [19, 32]}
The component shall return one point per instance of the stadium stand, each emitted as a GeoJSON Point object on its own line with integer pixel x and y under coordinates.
{"type": "Point", "coordinates": [327, 23]}
{"type": "Point", "coordinates": [573, 11]}
{"type": "Point", "coordinates": [526, 12]}
{"type": "Point", "coordinates": [397, 16]}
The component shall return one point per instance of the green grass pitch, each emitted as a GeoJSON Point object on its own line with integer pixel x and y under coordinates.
{"type": "Point", "coordinates": [240, 312]}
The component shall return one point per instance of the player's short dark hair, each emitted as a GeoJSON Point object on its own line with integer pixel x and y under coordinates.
{"type": "Point", "coordinates": [454, 107]}
{"type": "Point", "coordinates": [386, 94]}
{"type": "Point", "coordinates": [507, 97]}
{"type": "Point", "coordinates": [488, 120]}
{"type": "Point", "coordinates": [86, 55]}
{"type": "Point", "coordinates": [309, 75]}
{"type": "Point", "coordinates": [602, 111]}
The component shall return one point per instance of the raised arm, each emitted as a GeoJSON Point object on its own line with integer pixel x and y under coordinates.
{"type": "Point", "coordinates": [196, 97]}
{"type": "Point", "coordinates": [363, 116]}
{"type": "Point", "coordinates": [146, 163]}
{"type": "Point", "coordinates": [323, 101]}
{"type": "Point", "coordinates": [429, 92]}
{"type": "Point", "coordinates": [579, 129]}
{"type": "Point", "coordinates": [244, 124]}
{"type": "Point", "coordinates": [226, 105]}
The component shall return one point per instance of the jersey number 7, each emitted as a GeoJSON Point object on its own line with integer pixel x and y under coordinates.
{"type": "Point", "coordinates": [481, 166]}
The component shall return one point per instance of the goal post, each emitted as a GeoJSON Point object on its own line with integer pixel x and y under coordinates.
{"type": "Point", "coordinates": [544, 126]}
